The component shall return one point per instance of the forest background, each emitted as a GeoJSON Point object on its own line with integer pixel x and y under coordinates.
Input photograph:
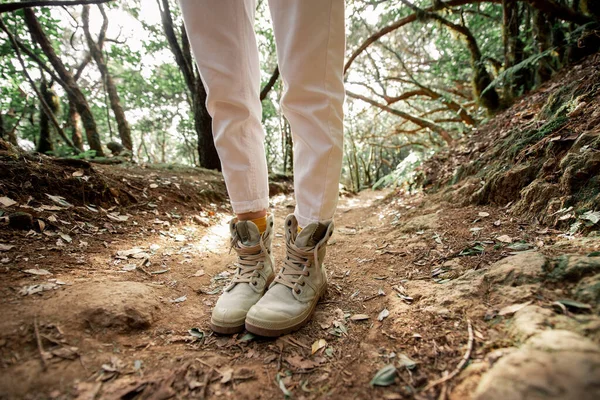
{"type": "Point", "coordinates": [116, 78]}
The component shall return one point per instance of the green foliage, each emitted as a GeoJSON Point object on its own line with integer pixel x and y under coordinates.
{"type": "Point", "coordinates": [405, 172]}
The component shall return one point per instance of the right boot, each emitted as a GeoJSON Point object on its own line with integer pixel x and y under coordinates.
{"type": "Point", "coordinates": [252, 277]}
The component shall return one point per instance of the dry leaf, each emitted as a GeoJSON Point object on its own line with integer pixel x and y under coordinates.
{"type": "Point", "coordinates": [300, 362]}
{"type": "Point", "coordinates": [318, 345]}
{"type": "Point", "coordinates": [200, 272]}
{"type": "Point", "coordinates": [37, 271]}
{"type": "Point", "coordinates": [383, 314]}
{"type": "Point", "coordinates": [227, 375]}
{"type": "Point", "coordinates": [509, 310]}
{"type": "Point", "coordinates": [484, 214]}
{"type": "Point", "coordinates": [77, 173]}
{"type": "Point", "coordinates": [504, 239]}
{"type": "Point", "coordinates": [6, 247]}
{"type": "Point", "coordinates": [7, 201]}
{"type": "Point", "coordinates": [359, 317]}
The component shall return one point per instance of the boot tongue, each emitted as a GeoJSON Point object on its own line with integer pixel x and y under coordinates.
{"type": "Point", "coordinates": [248, 233]}
{"type": "Point", "coordinates": [311, 235]}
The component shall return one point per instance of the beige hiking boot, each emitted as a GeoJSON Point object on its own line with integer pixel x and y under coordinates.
{"type": "Point", "coordinates": [252, 277]}
{"type": "Point", "coordinates": [291, 299]}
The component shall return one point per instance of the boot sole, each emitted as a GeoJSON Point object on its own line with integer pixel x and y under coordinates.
{"type": "Point", "coordinates": [230, 330]}
{"type": "Point", "coordinates": [226, 330]}
{"type": "Point", "coordinates": [266, 332]}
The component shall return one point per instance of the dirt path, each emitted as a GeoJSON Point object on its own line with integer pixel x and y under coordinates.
{"type": "Point", "coordinates": [413, 284]}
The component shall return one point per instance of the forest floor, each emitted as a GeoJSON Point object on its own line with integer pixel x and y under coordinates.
{"type": "Point", "coordinates": [100, 304]}
{"type": "Point", "coordinates": [488, 288]}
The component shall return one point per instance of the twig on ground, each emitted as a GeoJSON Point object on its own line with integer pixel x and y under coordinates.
{"type": "Point", "coordinates": [38, 340]}
{"type": "Point", "coordinates": [209, 366]}
{"type": "Point", "coordinates": [460, 365]}
{"type": "Point", "coordinates": [206, 381]}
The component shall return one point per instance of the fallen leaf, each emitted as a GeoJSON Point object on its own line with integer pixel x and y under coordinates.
{"type": "Point", "coordinates": [385, 376]}
{"type": "Point", "coordinates": [200, 272]}
{"type": "Point", "coordinates": [519, 246]}
{"type": "Point", "coordinates": [65, 237]}
{"type": "Point", "coordinates": [129, 267]}
{"type": "Point", "coordinates": [383, 314]}
{"type": "Point", "coordinates": [153, 186]}
{"type": "Point", "coordinates": [36, 271]}
{"type": "Point", "coordinates": [406, 361]}
{"type": "Point", "coordinates": [6, 247]}
{"type": "Point", "coordinates": [197, 333]}
{"type": "Point", "coordinates": [59, 200]}
{"type": "Point", "coordinates": [300, 362]}
{"type": "Point", "coordinates": [68, 353]}
{"type": "Point", "coordinates": [28, 290]}
{"type": "Point", "coordinates": [483, 214]}
{"type": "Point", "coordinates": [359, 317]}
{"type": "Point", "coordinates": [247, 337]}
{"type": "Point", "coordinates": [7, 201]}
{"type": "Point", "coordinates": [227, 375]}
{"type": "Point", "coordinates": [504, 239]}
{"type": "Point", "coordinates": [318, 345]}
{"type": "Point", "coordinates": [574, 304]}
{"type": "Point", "coordinates": [77, 173]}
{"type": "Point", "coordinates": [281, 384]}
{"type": "Point", "coordinates": [509, 310]}
{"type": "Point", "coordinates": [130, 252]}
{"type": "Point", "coordinates": [179, 299]}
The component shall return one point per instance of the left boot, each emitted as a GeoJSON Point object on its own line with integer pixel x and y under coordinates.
{"type": "Point", "coordinates": [302, 281]}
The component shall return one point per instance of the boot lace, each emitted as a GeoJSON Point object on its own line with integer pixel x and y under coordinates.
{"type": "Point", "coordinates": [296, 266]}
{"type": "Point", "coordinates": [250, 260]}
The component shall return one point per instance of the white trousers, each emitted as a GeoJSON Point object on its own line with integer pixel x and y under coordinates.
{"type": "Point", "coordinates": [310, 41]}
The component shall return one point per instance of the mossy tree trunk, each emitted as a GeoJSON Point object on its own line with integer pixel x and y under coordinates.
{"type": "Point", "coordinates": [73, 91]}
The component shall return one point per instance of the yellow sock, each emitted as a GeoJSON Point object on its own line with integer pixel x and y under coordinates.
{"type": "Point", "coordinates": [261, 223]}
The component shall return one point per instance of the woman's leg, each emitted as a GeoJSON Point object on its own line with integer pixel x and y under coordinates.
{"type": "Point", "coordinates": [310, 48]}
{"type": "Point", "coordinates": [222, 37]}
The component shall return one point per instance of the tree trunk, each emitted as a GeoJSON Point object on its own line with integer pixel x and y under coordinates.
{"type": "Point", "coordinates": [75, 121]}
{"type": "Point", "coordinates": [111, 88]}
{"type": "Point", "coordinates": [207, 153]}
{"type": "Point", "coordinates": [73, 91]}
{"type": "Point", "coordinates": [45, 144]}
{"type": "Point", "coordinates": [542, 34]}
{"type": "Point", "coordinates": [513, 46]}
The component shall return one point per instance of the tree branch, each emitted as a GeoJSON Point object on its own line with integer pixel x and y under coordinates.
{"type": "Point", "coordinates": [45, 3]}
{"type": "Point", "coordinates": [415, 120]}
{"type": "Point", "coordinates": [270, 84]}
{"type": "Point", "coordinates": [406, 20]}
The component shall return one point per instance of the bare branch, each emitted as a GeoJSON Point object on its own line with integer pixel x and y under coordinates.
{"type": "Point", "coordinates": [270, 84]}
{"type": "Point", "coordinates": [404, 21]}
{"type": "Point", "coordinates": [415, 120]}
{"type": "Point", "coordinates": [46, 3]}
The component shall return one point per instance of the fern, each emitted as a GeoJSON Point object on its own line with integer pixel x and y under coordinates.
{"type": "Point", "coordinates": [526, 63]}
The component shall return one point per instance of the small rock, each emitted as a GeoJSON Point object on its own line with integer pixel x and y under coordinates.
{"type": "Point", "coordinates": [588, 290]}
{"type": "Point", "coordinates": [517, 270]}
{"type": "Point", "coordinates": [122, 306]}
{"type": "Point", "coordinates": [528, 321]}
{"type": "Point", "coordinates": [421, 223]}
{"type": "Point", "coordinates": [573, 268]}
{"type": "Point", "coordinates": [561, 340]}
{"type": "Point", "coordinates": [20, 220]}
{"type": "Point", "coordinates": [552, 365]}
